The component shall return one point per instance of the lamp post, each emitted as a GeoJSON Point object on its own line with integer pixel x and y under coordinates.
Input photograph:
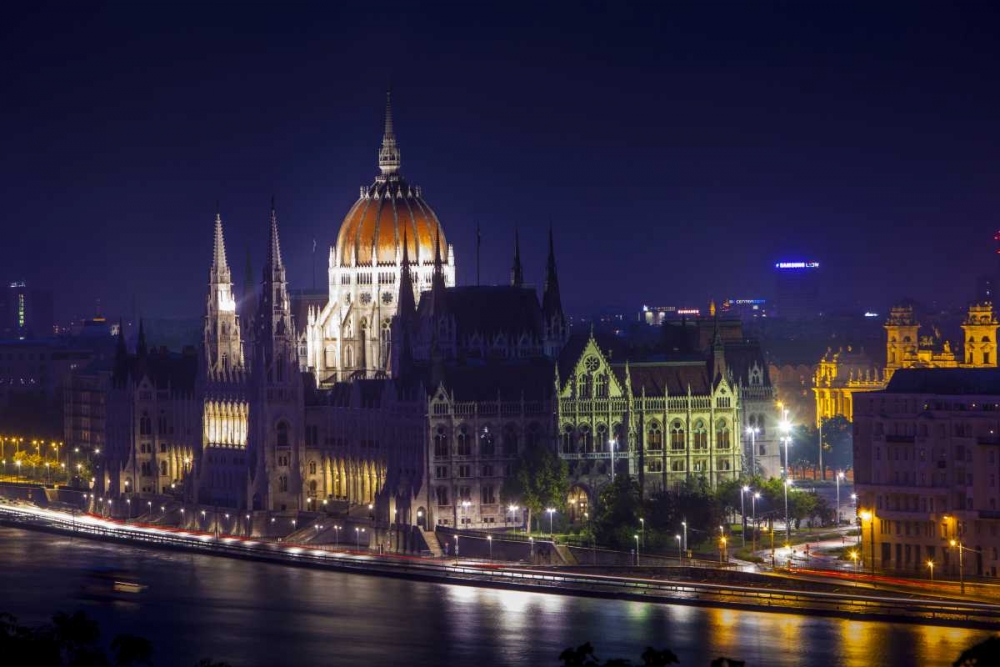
{"type": "Point", "coordinates": [840, 476]}
{"type": "Point", "coordinates": [930, 564]}
{"type": "Point", "coordinates": [788, 526]}
{"type": "Point", "coordinates": [753, 506]}
{"type": "Point", "coordinates": [685, 524]}
{"type": "Point", "coordinates": [336, 536]}
{"type": "Point", "coordinates": [636, 549]}
{"type": "Point", "coordinates": [551, 511]}
{"type": "Point", "coordinates": [961, 561]}
{"type": "Point", "coordinates": [680, 555]}
{"type": "Point", "coordinates": [722, 549]}
{"type": "Point", "coordinates": [613, 444]}
{"type": "Point", "coordinates": [642, 531]}
{"type": "Point", "coordinates": [357, 534]}
{"type": "Point", "coordinates": [743, 513]}
{"type": "Point", "coordinates": [752, 431]}
{"type": "Point", "coordinates": [854, 556]}
{"type": "Point", "coordinates": [489, 540]}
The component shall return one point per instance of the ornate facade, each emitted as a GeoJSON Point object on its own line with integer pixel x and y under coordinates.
{"type": "Point", "coordinates": [414, 398]}
{"type": "Point", "coordinates": [841, 375]}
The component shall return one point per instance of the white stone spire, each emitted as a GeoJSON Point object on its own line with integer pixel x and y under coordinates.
{"type": "Point", "coordinates": [388, 155]}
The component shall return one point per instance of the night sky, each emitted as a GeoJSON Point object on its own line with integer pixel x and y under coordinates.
{"type": "Point", "coordinates": [678, 149]}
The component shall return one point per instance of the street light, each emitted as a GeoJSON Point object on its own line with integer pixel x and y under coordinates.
{"type": "Point", "coordinates": [357, 534]}
{"type": "Point", "coordinates": [743, 513]}
{"type": "Point", "coordinates": [613, 443]}
{"type": "Point", "coordinates": [489, 539]}
{"type": "Point", "coordinates": [685, 524]}
{"type": "Point", "coordinates": [722, 549]}
{"type": "Point", "coordinates": [752, 431]}
{"type": "Point", "coordinates": [636, 549]}
{"type": "Point", "coordinates": [788, 526]}
{"type": "Point", "coordinates": [642, 531]}
{"type": "Point", "coordinates": [854, 556]}
{"type": "Point", "coordinates": [753, 508]}
{"type": "Point", "coordinates": [551, 511]}
{"type": "Point", "coordinates": [336, 533]}
{"type": "Point", "coordinates": [840, 476]}
{"type": "Point", "coordinates": [680, 555]}
{"type": "Point", "coordinates": [930, 564]}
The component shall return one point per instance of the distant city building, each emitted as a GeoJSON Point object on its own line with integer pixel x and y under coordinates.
{"type": "Point", "coordinates": [841, 375]}
{"type": "Point", "coordinates": [26, 312]}
{"type": "Point", "coordinates": [927, 465]}
{"type": "Point", "coordinates": [797, 289]}
{"type": "Point", "coordinates": [747, 310]}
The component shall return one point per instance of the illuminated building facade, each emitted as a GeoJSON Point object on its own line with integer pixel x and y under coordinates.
{"type": "Point", "coordinates": [927, 469]}
{"type": "Point", "coordinates": [839, 376]}
{"type": "Point", "coordinates": [351, 337]}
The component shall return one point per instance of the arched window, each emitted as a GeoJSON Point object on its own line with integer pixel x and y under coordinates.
{"type": "Point", "coordinates": [283, 483]}
{"type": "Point", "coordinates": [700, 435]}
{"type": "Point", "coordinates": [585, 440]}
{"type": "Point", "coordinates": [567, 439]}
{"type": "Point", "coordinates": [385, 336]}
{"type": "Point", "coordinates": [487, 442]}
{"type": "Point", "coordinates": [163, 468]}
{"type": "Point", "coordinates": [723, 464]}
{"type": "Point", "coordinates": [654, 437]}
{"type": "Point", "coordinates": [601, 442]}
{"type": "Point", "coordinates": [677, 436]}
{"type": "Point", "coordinates": [282, 434]}
{"type": "Point", "coordinates": [722, 434]}
{"type": "Point", "coordinates": [760, 426]}
{"type": "Point", "coordinates": [586, 386]}
{"type": "Point", "coordinates": [312, 467]}
{"type": "Point", "coordinates": [441, 443]}
{"type": "Point", "coordinates": [145, 424]}
{"type": "Point", "coordinates": [510, 440]}
{"type": "Point", "coordinates": [442, 495]}
{"type": "Point", "coordinates": [602, 386]}
{"type": "Point", "coordinates": [462, 440]}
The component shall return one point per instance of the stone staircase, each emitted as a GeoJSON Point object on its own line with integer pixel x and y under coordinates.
{"type": "Point", "coordinates": [433, 545]}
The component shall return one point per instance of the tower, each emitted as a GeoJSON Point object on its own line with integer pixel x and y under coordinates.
{"type": "Point", "coordinates": [902, 337]}
{"type": "Point", "coordinates": [223, 346]}
{"type": "Point", "coordinates": [516, 272]}
{"type": "Point", "coordinates": [552, 312]}
{"type": "Point", "coordinates": [221, 477]}
{"type": "Point", "coordinates": [979, 331]}
{"type": "Point", "coordinates": [277, 432]}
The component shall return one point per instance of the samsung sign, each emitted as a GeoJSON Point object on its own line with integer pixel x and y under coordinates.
{"type": "Point", "coordinates": [796, 265]}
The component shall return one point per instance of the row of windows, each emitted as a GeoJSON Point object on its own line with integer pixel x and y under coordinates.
{"type": "Point", "coordinates": [582, 439]}
{"type": "Point", "coordinates": [678, 465]}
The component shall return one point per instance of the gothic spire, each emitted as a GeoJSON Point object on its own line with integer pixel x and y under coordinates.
{"type": "Point", "coordinates": [388, 155]}
{"type": "Point", "coordinates": [274, 246]}
{"type": "Point", "coordinates": [516, 272]}
{"type": "Point", "coordinates": [551, 300]}
{"type": "Point", "coordinates": [407, 305]}
{"type": "Point", "coordinates": [219, 263]}
{"type": "Point", "coordinates": [140, 347]}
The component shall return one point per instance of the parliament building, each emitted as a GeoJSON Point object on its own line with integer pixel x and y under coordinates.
{"type": "Point", "coordinates": [408, 399]}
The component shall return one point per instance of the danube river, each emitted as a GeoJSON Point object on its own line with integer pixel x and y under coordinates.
{"type": "Point", "coordinates": [249, 613]}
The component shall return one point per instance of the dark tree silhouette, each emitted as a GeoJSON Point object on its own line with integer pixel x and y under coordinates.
{"type": "Point", "coordinates": [983, 654]}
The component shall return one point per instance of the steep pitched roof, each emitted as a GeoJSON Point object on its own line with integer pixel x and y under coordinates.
{"type": "Point", "coordinates": [510, 380]}
{"type": "Point", "coordinates": [743, 356]}
{"type": "Point", "coordinates": [490, 310]}
{"type": "Point", "coordinates": [658, 378]}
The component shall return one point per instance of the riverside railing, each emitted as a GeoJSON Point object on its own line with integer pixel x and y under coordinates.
{"type": "Point", "coordinates": [833, 603]}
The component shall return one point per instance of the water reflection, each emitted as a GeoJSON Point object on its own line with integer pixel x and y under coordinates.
{"type": "Point", "coordinates": [258, 614]}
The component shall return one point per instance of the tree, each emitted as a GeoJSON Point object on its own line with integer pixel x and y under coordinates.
{"type": "Point", "coordinates": [618, 512]}
{"type": "Point", "coordinates": [540, 481]}
{"type": "Point", "coordinates": [982, 654]}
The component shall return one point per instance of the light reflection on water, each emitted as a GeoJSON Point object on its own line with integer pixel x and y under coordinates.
{"type": "Point", "coordinates": [257, 614]}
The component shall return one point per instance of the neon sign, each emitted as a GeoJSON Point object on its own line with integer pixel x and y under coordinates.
{"type": "Point", "coordinates": [796, 265]}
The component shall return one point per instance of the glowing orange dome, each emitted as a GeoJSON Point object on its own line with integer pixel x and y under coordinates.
{"type": "Point", "coordinates": [373, 229]}
{"type": "Point", "coordinates": [385, 213]}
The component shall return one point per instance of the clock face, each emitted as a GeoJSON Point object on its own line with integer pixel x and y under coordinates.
{"type": "Point", "coordinates": [366, 298]}
{"type": "Point", "coordinates": [591, 364]}
{"type": "Point", "coordinates": [387, 298]}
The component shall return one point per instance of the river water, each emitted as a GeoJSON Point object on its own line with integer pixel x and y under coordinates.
{"type": "Point", "coordinates": [250, 613]}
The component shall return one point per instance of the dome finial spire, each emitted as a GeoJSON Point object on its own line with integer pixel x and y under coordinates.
{"type": "Point", "coordinates": [388, 155]}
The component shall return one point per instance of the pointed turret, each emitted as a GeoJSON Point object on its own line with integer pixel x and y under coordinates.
{"type": "Point", "coordinates": [516, 272]}
{"type": "Point", "coordinates": [551, 300]}
{"type": "Point", "coordinates": [555, 321]}
{"type": "Point", "coordinates": [141, 350]}
{"type": "Point", "coordinates": [274, 245]}
{"type": "Point", "coordinates": [437, 279]}
{"type": "Point", "coordinates": [219, 264]}
{"type": "Point", "coordinates": [388, 155]}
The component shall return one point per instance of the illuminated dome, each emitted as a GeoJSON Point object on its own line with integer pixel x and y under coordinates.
{"type": "Point", "coordinates": [386, 212]}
